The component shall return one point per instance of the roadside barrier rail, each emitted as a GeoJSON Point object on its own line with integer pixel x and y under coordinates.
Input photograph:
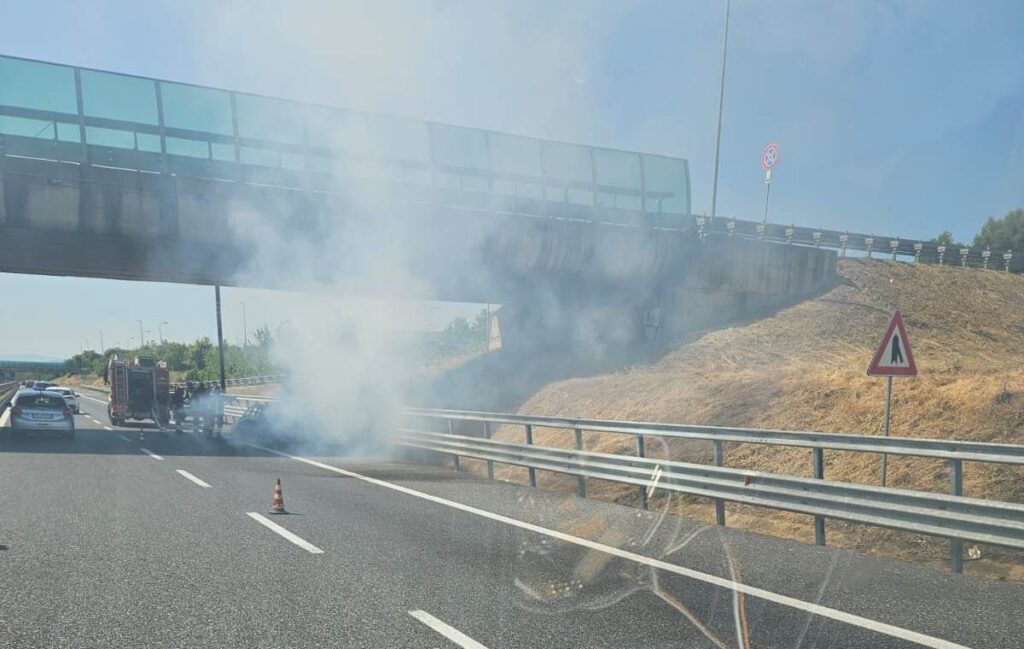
{"type": "Point", "coordinates": [957, 517]}
{"type": "Point", "coordinates": [7, 392]}
{"type": "Point", "coordinates": [953, 516]}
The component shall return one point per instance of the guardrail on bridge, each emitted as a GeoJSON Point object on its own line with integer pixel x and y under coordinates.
{"type": "Point", "coordinates": [952, 254]}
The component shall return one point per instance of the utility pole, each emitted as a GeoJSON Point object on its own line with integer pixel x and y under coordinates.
{"type": "Point", "coordinates": [245, 342]}
{"type": "Point", "coordinates": [102, 349]}
{"type": "Point", "coordinates": [721, 101]}
{"type": "Point", "coordinates": [142, 337]}
{"type": "Point", "coordinates": [160, 331]}
{"type": "Point", "coordinates": [220, 340]}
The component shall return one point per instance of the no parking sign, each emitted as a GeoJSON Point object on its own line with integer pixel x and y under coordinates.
{"type": "Point", "coordinates": [769, 158]}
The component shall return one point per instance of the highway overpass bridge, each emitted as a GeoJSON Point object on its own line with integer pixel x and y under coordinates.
{"type": "Point", "coordinates": [118, 176]}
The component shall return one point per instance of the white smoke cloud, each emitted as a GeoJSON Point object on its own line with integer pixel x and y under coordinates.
{"type": "Point", "coordinates": [523, 62]}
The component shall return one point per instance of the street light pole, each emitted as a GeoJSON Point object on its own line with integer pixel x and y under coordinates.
{"type": "Point", "coordinates": [220, 339]}
{"type": "Point", "coordinates": [245, 341]}
{"type": "Point", "coordinates": [160, 331]}
{"type": "Point", "coordinates": [102, 349]}
{"type": "Point", "coordinates": [142, 337]}
{"type": "Point", "coordinates": [721, 101]}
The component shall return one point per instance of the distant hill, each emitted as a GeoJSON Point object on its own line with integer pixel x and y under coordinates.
{"type": "Point", "coordinates": [34, 358]}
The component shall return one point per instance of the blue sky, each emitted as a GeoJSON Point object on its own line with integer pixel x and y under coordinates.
{"type": "Point", "coordinates": [902, 118]}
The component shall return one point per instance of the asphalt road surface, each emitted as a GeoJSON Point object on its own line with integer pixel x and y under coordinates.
{"type": "Point", "coordinates": [116, 541]}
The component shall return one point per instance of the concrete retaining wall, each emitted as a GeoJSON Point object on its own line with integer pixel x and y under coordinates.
{"type": "Point", "coordinates": [734, 279]}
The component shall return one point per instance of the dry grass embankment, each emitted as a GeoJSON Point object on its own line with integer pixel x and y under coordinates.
{"type": "Point", "coordinates": [804, 369]}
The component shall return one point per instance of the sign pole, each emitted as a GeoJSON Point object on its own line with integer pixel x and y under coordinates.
{"type": "Point", "coordinates": [893, 358]}
{"type": "Point", "coordinates": [888, 411]}
{"type": "Point", "coordinates": [769, 158]}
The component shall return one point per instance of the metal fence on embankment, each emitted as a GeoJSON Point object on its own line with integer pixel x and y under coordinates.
{"type": "Point", "coordinates": [469, 434]}
{"type": "Point", "coordinates": [952, 254]}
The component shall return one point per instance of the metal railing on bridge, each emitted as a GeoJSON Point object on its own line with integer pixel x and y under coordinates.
{"type": "Point", "coordinates": [873, 246]}
{"type": "Point", "coordinates": [951, 516]}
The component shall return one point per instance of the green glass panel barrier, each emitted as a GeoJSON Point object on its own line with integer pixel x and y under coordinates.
{"type": "Point", "coordinates": [567, 162]}
{"type": "Point", "coordinates": [665, 176]}
{"type": "Point", "coordinates": [110, 137]}
{"type": "Point", "coordinates": [115, 96]}
{"type": "Point", "coordinates": [196, 109]}
{"type": "Point", "coordinates": [26, 127]}
{"type": "Point", "coordinates": [460, 147]}
{"type": "Point", "coordinates": [513, 154]}
{"type": "Point", "coordinates": [264, 118]}
{"type": "Point", "coordinates": [189, 148]}
{"type": "Point", "coordinates": [403, 139]}
{"type": "Point", "coordinates": [42, 86]}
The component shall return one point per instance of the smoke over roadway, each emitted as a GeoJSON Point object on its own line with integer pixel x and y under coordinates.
{"type": "Point", "coordinates": [359, 238]}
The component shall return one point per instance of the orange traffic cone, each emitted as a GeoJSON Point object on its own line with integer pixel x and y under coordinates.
{"type": "Point", "coordinates": [277, 503]}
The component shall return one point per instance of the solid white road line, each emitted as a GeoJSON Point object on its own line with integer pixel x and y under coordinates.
{"type": "Point", "coordinates": [752, 591]}
{"type": "Point", "coordinates": [5, 418]}
{"type": "Point", "coordinates": [188, 476]}
{"type": "Point", "coordinates": [150, 453]}
{"type": "Point", "coordinates": [453, 634]}
{"type": "Point", "coordinates": [103, 401]}
{"type": "Point", "coordinates": [297, 540]}
{"type": "Point", "coordinates": [109, 428]}
{"type": "Point", "coordinates": [127, 439]}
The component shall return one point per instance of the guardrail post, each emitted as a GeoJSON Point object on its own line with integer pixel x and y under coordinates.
{"type": "Point", "coordinates": [719, 503]}
{"type": "Point", "coordinates": [455, 456]}
{"type": "Point", "coordinates": [490, 464]}
{"type": "Point", "coordinates": [641, 452]}
{"type": "Point", "coordinates": [581, 482]}
{"type": "Point", "coordinates": [956, 488]}
{"type": "Point", "coordinates": [529, 442]}
{"type": "Point", "coordinates": [818, 455]}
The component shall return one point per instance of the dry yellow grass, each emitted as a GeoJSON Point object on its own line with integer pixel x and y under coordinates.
{"type": "Point", "coordinates": [804, 369]}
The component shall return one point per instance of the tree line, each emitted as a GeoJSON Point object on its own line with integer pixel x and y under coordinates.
{"type": "Point", "coordinates": [1006, 233]}
{"type": "Point", "coordinates": [195, 361]}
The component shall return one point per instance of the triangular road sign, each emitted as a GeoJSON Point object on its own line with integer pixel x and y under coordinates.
{"type": "Point", "coordinates": [894, 357]}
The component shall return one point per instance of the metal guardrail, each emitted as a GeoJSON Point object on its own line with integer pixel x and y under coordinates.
{"type": "Point", "coordinates": [920, 447]}
{"type": "Point", "coordinates": [957, 517]}
{"type": "Point", "coordinates": [884, 246]}
{"type": "Point", "coordinates": [248, 380]}
{"type": "Point", "coordinates": [7, 391]}
{"type": "Point", "coordinates": [955, 453]}
{"type": "Point", "coordinates": [951, 516]}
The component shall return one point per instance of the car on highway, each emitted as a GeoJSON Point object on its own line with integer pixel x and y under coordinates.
{"type": "Point", "coordinates": [41, 411]}
{"type": "Point", "coordinates": [42, 385]}
{"type": "Point", "coordinates": [70, 397]}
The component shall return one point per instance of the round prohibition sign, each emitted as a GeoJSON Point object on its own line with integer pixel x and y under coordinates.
{"type": "Point", "coordinates": [770, 156]}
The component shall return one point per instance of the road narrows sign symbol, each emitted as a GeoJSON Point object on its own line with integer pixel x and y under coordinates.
{"type": "Point", "coordinates": [894, 357]}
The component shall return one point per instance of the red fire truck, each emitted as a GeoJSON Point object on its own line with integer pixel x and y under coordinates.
{"type": "Point", "coordinates": [139, 390]}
